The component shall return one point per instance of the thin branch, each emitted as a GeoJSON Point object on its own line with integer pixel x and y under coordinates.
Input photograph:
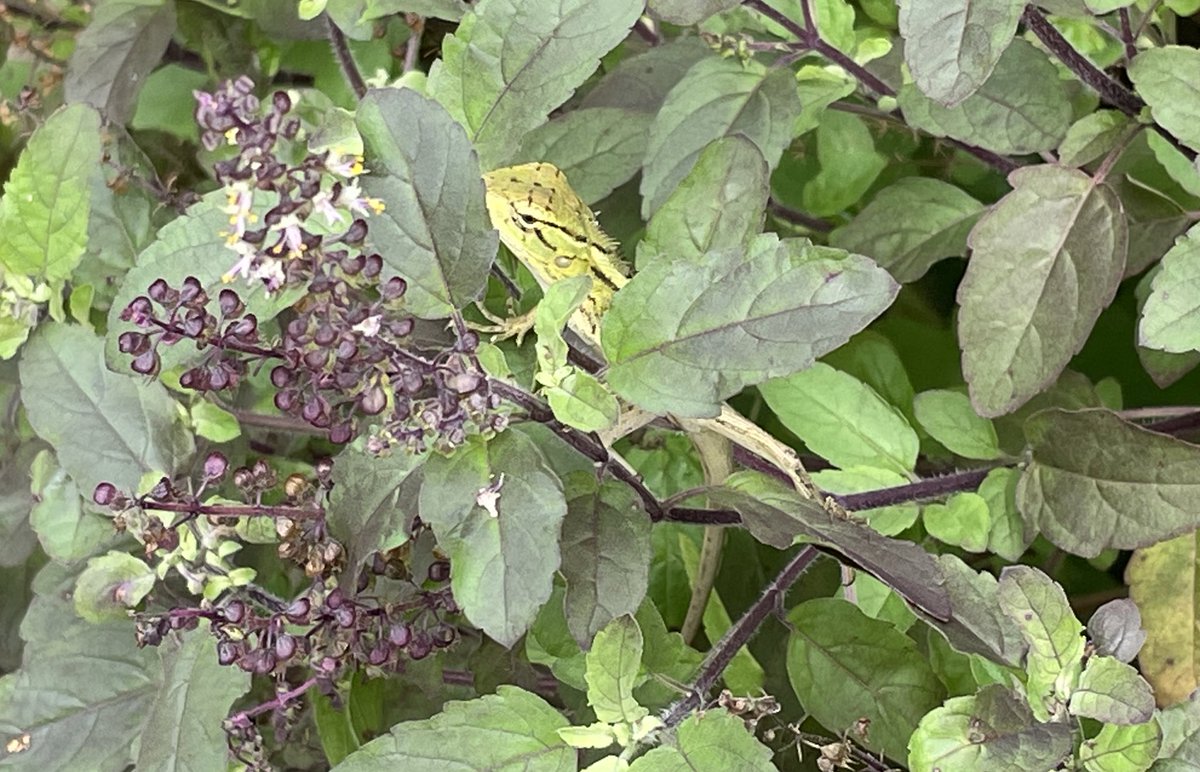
{"type": "Point", "coordinates": [788, 214]}
{"type": "Point", "coordinates": [585, 444]}
{"type": "Point", "coordinates": [412, 49]}
{"type": "Point", "coordinates": [1127, 36]}
{"type": "Point", "coordinates": [1147, 18]}
{"type": "Point", "coordinates": [341, 52]}
{"type": "Point", "coordinates": [932, 488]}
{"type": "Point", "coordinates": [738, 636]}
{"type": "Point", "coordinates": [195, 509]}
{"type": "Point", "coordinates": [242, 719]}
{"type": "Point", "coordinates": [1109, 89]}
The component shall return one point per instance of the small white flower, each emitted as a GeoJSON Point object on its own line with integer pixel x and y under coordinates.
{"type": "Point", "coordinates": [488, 497]}
{"type": "Point", "coordinates": [369, 327]}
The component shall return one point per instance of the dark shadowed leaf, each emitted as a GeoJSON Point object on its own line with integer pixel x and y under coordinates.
{"type": "Point", "coordinates": [183, 728]}
{"type": "Point", "coordinates": [1116, 629]}
{"type": "Point", "coordinates": [372, 501]}
{"type": "Point", "coordinates": [843, 666]}
{"type": "Point", "coordinates": [1097, 481]}
{"type": "Point", "coordinates": [83, 691]}
{"type": "Point", "coordinates": [115, 53]}
{"type": "Point", "coordinates": [104, 427]}
{"type": "Point", "coordinates": [606, 557]}
{"type": "Point", "coordinates": [435, 231]}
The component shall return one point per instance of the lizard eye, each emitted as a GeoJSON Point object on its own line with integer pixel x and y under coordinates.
{"type": "Point", "coordinates": [562, 261]}
{"type": "Point", "coordinates": [524, 220]}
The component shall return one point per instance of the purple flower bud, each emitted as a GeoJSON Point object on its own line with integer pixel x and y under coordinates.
{"type": "Point", "coordinates": [379, 654]}
{"type": "Point", "coordinates": [341, 434]}
{"type": "Point", "coordinates": [393, 288]}
{"type": "Point", "coordinates": [234, 611]}
{"type": "Point", "coordinates": [146, 363]}
{"type": "Point", "coordinates": [133, 343]}
{"type": "Point", "coordinates": [230, 302]}
{"type": "Point", "coordinates": [285, 646]}
{"type": "Point", "coordinates": [299, 610]}
{"type": "Point", "coordinates": [399, 634]}
{"type": "Point", "coordinates": [335, 599]}
{"type": "Point", "coordinates": [104, 494]}
{"type": "Point", "coordinates": [227, 652]}
{"type": "Point", "coordinates": [215, 465]}
{"type": "Point", "coordinates": [139, 311]}
{"type": "Point", "coordinates": [161, 292]}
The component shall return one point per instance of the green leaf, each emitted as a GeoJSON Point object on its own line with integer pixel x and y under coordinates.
{"type": "Point", "coordinates": [213, 423]}
{"type": "Point", "coordinates": [720, 203]}
{"type": "Point", "coordinates": [717, 98]}
{"type": "Point", "coordinates": [1168, 78]}
{"type": "Point", "coordinates": [581, 400]}
{"type": "Point", "coordinates": [708, 741]}
{"type": "Point", "coordinates": [1122, 748]}
{"type": "Point", "coordinates": [1180, 726]}
{"type": "Point", "coordinates": [842, 419]}
{"type": "Point", "coordinates": [511, 729]}
{"type": "Point", "coordinates": [849, 164]}
{"type": "Point", "coordinates": [990, 730]}
{"type": "Point", "coordinates": [845, 666]}
{"type": "Point", "coordinates": [183, 728]}
{"type": "Point", "coordinates": [1092, 136]}
{"type": "Point", "coordinates": [818, 88]}
{"type": "Point", "coordinates": [193, 244]}
{"type": "Point", "coordinates": [979, 626]}
{"type": "Point", "coordinates": [612, 671]}
{"type": "Point", "coordinates": [935, 218]}
{"type": "Point", "coordinates": [1010, 535]}
{"type": "Point", "coordinates": [1023, 106]}
{"type": "Point", "coordinates": [952, 47]}
{"type": "Point", "coordinates": [950, 419]}
{"type": "Point", "coordinates": [606, 557]}
{"type": "Point", "coordinates": [577, 398]}
{"type": "Point", "coordinates": [435, 231]}
{"type": "Point", "coordinates": [1039, 609]}
{"type": "Point", "coordinates": [1112, 692]}
{"type": "Point", "coordinates": [686, 12]}
{"type": "Point", "coordinates": [67, 532]}
{"type": "Point", "coordinates": [116, 51]}
{"type": "Point", "coordinates": [1164, 368]}
{"type": "Point", "coordinates": [1097, 481]}
{"type": "Point", "coordinates": [963, 521]}
{"type": "Point", "coordinates": [599, 148]}
{"type": "Point", "coordinates": [497, 509]}
{"type": "Point", "coordinates": [44, 211]}
{"type": "Point", "coordinates": [83, 690]}
{"type": "Point", "coordinates": [681, 337]}
{"type": "Point", "coordinates": [111, 585]}
{"type": "Point", "coordinates": [1046, 260]}
{"type": "Point", "coordinates": [451, 10]}
{"type": "Point", "coordinates": [510, 63]}
{"type": "Point", "coordinates": [78, 406]}
{"type": "Point", "coordinates": [874, 360]}
{"type": "Point", "coordinates": [371, 504]}
{"type": "Point", "coordinates": [1170, 318]}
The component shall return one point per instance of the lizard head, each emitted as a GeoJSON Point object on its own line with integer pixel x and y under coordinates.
{"type": "Point", "coordinates": [544, 223]}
